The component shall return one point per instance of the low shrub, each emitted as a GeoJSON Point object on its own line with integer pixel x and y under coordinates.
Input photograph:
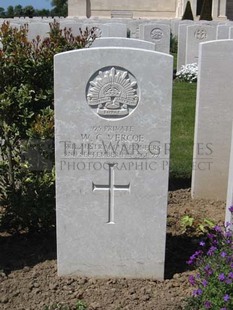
{"type": "Point", "coordinates": [26, 124]}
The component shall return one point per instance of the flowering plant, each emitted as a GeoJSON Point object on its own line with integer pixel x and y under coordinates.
{"type": "Point", "coordinates": [188, 73]}
{"type": "Point", "coordinates": [214, 281]}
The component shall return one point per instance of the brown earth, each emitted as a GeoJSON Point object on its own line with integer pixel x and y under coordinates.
{"type": "Point", "coordinates": [28, 278]}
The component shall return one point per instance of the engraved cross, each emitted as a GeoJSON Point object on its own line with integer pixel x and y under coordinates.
{"type": "Point", "coordinates": [111, 187]}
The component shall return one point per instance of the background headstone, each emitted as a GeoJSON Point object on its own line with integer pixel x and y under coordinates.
{"type": "Point", "coordinates": [123, 42]}
{"type": "Point", "coordinates": [182, 34]}
{"type": "Point", "coordinates": [35, 29]}
{"type": "Point", "coordinates": [158, 33]}
{"type": "Point", "coordinates": [114, 30]}
{"type": "Point", "coordinates": [197, 34]}
{"type": "Point", "coordinates": [222, 32]}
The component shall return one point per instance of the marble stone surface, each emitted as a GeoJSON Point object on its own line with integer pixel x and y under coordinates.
{"type": "Point", "coordinates": [229, 203]}
{"type": "Point", "coordinates": [75, 27]}
{"type": "Point", "coordinates": [114, 30]}
{"type": "Point", "coordinates": [157, 33]}
{"type": "Point", "coordinates": [182, 34]}
{"type": "Point", "coordinates": [222, 32]}
{"type": "Point", "coordinates": [197, 34]}
{"type": "Point", "coordinates": [112, 132]}
{"type": "Point", "coordinates": [230, 33]}
{"type": "Point", "coordinates": [123, 42]}
{"type": "Point", "coordinates": [35, 29]}
{"type": "Point", "coordinates": [213, 122]}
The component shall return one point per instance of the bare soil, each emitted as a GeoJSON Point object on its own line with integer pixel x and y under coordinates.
{"type": "Point", "coordinates": [29, 281]}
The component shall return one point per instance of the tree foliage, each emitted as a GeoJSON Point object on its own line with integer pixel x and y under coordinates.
{"type": "Point", "coordinates": [188, 14]}
{"type": "Point", "coordinates": [206, 11]}
{"type": "Point", "coordinates": [60, 7]}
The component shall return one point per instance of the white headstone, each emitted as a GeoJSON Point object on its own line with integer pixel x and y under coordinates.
{"type": "Point", "coordinates": [182, 34]}
{"type": "Point", "coordinates": [230, 33]}
{"type": "Point", "coordinates": [229, 215]}
{"type": "Point", "coordinates": [114, 30]}
{"type": "Point", "coordinates": [112, 115]}
{"type": "Point", "coordinates": [123, 42]}
{"type": "Point", "coordinates": [222, 32]}
{"type": "Point", "coordinates": [75, 27]}
{"type": "Point", "coordinates": [197, 34]}
{"type": "Point", "coordinates": [159, 34]}
{"type": "Point", "coordinates": [134, 28]}
{"type": "Point", "coordinates": [35, 29]}
{"type": "Point", "coordinates": [214, 110]}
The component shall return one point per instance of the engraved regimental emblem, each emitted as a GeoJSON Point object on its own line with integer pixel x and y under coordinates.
{"type": "Point", "coordinates": [200, 34]}
{"type": "Point", "coordinates": [112, 93]}
{"type": "Point", "coordinates": [156, 34]}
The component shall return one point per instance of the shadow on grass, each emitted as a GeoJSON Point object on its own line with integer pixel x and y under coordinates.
{"type": "Point", "coordinates": [178, 251]}
{"type": "Point", "coordinates": [18, 251]}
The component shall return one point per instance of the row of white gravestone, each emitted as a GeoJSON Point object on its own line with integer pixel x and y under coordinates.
{"type": "Point", "coordinates": [158, 34]}
{"type": "Point", "coordinates": [191, 34]}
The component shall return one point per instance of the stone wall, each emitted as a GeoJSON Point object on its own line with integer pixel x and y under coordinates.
{"type": "Point", "coordinates": [122, 8]}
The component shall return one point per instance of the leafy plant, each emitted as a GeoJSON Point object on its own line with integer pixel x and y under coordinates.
{"type": "Point", "coordinates": [195, 224]}
{"type": "Point", "coordinates": [26, 124]}
{"type": "Point", "coordinates": [173, 44]}
{"type": "Point", "coordinates": [80, 305]}
{"type": "Point", "coordinates": [213, 281]}
{"type": "Point", "coordinates": [188, 14]}
{"type": "Point", "coordinates": [206, 10]}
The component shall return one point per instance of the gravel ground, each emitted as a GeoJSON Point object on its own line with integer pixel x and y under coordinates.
{"type": "Point", "coordinates": [29, 281]}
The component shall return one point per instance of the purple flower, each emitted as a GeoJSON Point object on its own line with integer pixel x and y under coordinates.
{"type": "Point", "coordinates": [210, 236]}
{"type": "Point", "coordinates": [204, 283]}
{"type": "Point", "coordinates": [207, 304]}
{"type": "Point", "coordinates": [223, 309]}
{"type": "Point", "coordinates": [192, 280]}
{"type": "Point", "coordinates": [230, 275]}
{"type": "Point", "coordinates": [217, 228]}
{"type": "Point", "coordinates": [228, 234]}
{"type": "Point", "coordinates": [208, 270]}
{"type": "Point", "coordinates": [228, 281]}
{"type": "Point", "coordinates": [211, 250]}
{"type": "Point", "coordinates": [193, 258]}
{"type": "Point", "coordinates": [223, 254]}
{"type": "Point", "coordinates": [197, 292]}
{"type": "Point", "coordinates": [202, 243]}
{"type": "Point", "coordinates": [230, 208]}
{"type": "Point", "coordinates": [226, 297]}
{"type": "Point", "coordinates": [221, 277]}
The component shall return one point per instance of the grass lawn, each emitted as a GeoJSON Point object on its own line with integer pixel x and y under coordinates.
{"type": "Point", "coordinates": [182, 130]}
